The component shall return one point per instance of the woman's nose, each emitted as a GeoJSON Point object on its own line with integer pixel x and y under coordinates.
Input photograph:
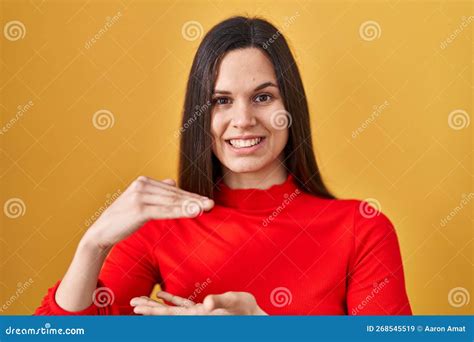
{"type": "Point", "coordinates": [243, 116]}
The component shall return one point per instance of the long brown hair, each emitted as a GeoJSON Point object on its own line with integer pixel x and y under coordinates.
{"type": "Point", "coordinates": [199, 169]}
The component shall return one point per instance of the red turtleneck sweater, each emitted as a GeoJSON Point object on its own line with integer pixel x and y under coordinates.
{"type": "Point", "coordinates": [296, 253]}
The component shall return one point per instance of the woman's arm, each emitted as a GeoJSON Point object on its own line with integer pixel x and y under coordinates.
{"type": "Point", "coordinates": [129, 270]}
{"type": "Point", "coordinates": [80, 281]}
{"type": "Point", "coordinates": [376, 282]}
{"type": "Point", "coordinates": [145, 199]}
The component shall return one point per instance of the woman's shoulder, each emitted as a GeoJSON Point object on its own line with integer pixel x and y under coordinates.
{"type": "Point", "coordinates": [359, 213]}
{"type": "Point", "coordinates": [368, 218]}
{"type": "Point", "coordinates": [361, 208]}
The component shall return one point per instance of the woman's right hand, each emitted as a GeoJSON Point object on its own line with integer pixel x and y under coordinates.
{"type": "Point", "coordinates": [143, 200]}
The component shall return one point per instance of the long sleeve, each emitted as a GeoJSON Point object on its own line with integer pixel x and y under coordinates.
{"type": "Point", "coordinates": [376, 283]}
{"type": "Point", "coordinates": [130, 270]}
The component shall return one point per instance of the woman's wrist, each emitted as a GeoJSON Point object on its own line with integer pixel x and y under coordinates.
{"type": "Point", "coordinates": [90, 243]}
{"type": "Point", "coordinates": [90, 253]}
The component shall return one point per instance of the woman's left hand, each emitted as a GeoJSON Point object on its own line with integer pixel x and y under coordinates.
{"type": "Point", "coordinates": [229, 303]}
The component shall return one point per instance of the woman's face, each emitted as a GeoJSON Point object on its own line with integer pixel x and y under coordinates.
{"type": "Point", "coordinates": [249, 123]}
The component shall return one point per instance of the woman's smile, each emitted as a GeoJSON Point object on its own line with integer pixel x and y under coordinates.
{"type": "Point", "coordinates": [245, 145]}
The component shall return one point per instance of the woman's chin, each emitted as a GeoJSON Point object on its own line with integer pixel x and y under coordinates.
{"type": "Point", "coordinates": [243, 166]}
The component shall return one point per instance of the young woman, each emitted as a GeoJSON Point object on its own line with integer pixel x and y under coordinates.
{"type": "Point", "coordinates": [251, 229]}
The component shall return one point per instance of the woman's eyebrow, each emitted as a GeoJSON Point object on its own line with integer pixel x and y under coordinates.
{"type": "Point", "coordinates": [261, 86]}
{"type": "Point", "coordinates": [264, 85]}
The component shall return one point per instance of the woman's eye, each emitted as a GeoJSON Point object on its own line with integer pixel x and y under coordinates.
{"type": "Point", "coordinates": [263, 98]}
{"type": "Point", "coordinates": [221, 100]}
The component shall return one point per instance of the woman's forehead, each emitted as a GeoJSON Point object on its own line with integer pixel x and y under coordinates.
{"type": "Point", "coordinates": [244, 69]}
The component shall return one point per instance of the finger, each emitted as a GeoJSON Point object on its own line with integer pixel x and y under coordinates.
{"type": "Point", "coordinates": [186, 202]}
{"type": "Point", "coordinates": [171, 188]}
{"type": "Point", "coordinates": [147, 310]}
{"type": "Point", "coordinates": [163, 310]}
{"type": "Point", "coordinates": [200, 310]}
{"type": "Point", "coordinates": [220, 312]}
{"type": "Point", "coordinates": [137, 301]}
{"type": "Point", "coordinates": [186, 210]}
{"type": "Point", "coordinates": [176, 300]}
{"type": "Point", "coordinates": [222, 301]}
{"type": "Point", "coordinates": [164, 189]}
{"type": "Point", "coordinates": [147, 184]}
{"type": "Point", "coordinates": [169, 181]}
{"type": "Point", "coordinates": [191, 207]}
{"type": "Point", "coordinates": [166, 212]}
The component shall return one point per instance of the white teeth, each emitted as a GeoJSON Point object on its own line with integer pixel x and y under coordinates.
{"type": "Point", "coordinates": [239, 143]}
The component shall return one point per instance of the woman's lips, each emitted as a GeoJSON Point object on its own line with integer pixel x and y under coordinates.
{"type": "Point", "coordinates": [246, 150]}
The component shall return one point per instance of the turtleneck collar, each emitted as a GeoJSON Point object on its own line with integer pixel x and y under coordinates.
{"type": "Point", "coordinates": [254, 199]}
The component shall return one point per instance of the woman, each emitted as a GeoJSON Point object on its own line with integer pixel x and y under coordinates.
{"type": "Point", "coordinates": [251, 229]}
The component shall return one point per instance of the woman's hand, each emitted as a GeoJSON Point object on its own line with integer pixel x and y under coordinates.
{"type": "Point", "coordinates": [229, 303]}
{"type": "Point", "coordinates": [143, 200]}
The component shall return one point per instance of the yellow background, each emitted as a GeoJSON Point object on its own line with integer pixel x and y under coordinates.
{"type": "Point", "coordinates": [409, 158]}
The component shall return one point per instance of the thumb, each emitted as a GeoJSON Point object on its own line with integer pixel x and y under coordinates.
{"type": "Point", "coordinates": [169, 181]}
{"type": "Point", "coordinates": [225, 300]}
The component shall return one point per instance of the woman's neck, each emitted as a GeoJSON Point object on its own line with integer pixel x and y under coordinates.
{"type": "Point", "coordinates": [264, 178]}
